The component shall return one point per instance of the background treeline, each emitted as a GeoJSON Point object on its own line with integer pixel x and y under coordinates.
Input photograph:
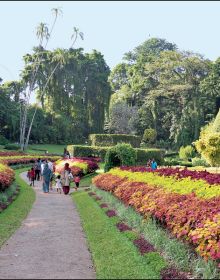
{"type": "Point", "coordinates": [171, 93]}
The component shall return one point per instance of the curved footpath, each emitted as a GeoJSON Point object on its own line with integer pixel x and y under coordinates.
{"type": "Point", "coordinates": [49, 244]}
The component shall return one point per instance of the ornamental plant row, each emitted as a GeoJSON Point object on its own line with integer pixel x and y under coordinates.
{"type": "Point", "coordinates": [6, 177]}
{"type": "Point", "coordinates": [178, 173]}
{"type": "Point", "coordinates": [192, 217]}
{"type": "Point", "coordinates": [77, 165]}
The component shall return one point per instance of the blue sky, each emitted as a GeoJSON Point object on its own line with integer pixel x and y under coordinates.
{"type": "Point", "coordinates": [111, 27]}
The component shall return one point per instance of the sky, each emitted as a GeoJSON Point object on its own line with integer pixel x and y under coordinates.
{"type": "Point", "coordinates": [111, 27]}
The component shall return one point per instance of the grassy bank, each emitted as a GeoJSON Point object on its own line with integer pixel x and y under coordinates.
{"type": "Point", "coordinates": [12, 217]}
{"type": "Point", "coordinates": [114, 255]}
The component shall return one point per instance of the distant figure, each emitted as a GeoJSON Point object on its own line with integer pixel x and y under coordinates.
{"type": "Point", "coordinates": [32, 176]}
{"type": "Point", "coordinates": [50, 165]}
{"type": "Point", "coordinates": [47, 174]}
{"type": "Point", "coordinates": [38, 169]}
{"type": "Point", "coordinates": [58, 184]}
{"type": "Point", "coordinates": [77, 180]}
{"type": "Point", "coordinates": [42, 168]}
{"type": "Point", "coordinates": [66, 176]}
{"type": "Point", "coordinates": [153, 164]}
{"type": "Point", "coordinates": [64, 152]}
{"type": "Point", "coordinates": [149, 162]}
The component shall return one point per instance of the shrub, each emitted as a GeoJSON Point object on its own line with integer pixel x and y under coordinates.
{"type": "Point", "coordinates": [12, 147]}
{"type": "Point", "coordinates": [87, 151]}
{"type": "Point", "coordinates": [208, 144]}
{"type": "Point", "coordinates": [187, 152]}
{"type": "Point", "coordinates": [149, 136]}
{"type": "Point", "coordinates": [121, 154]}
{"type": "Point", "coordinates": [143, 155]}
{"type": "Point", "coordinates": [114, 139]}
{"type": "Point", "coordinates": [3, 140]}
{"type": "Point", "coordinates": [196, 161]}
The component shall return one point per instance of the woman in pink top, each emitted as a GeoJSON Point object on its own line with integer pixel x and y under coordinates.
{"type": "Point", "coordinates": [77, 180]}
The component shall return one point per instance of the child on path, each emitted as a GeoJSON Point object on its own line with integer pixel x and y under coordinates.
{"type": "Point", "coordinates": [58, 184]}
{"type": "Point", "coordinates": [77, 180]}
{"type": "Point", "coordinates": [32, 176]}
{"type": "Point", "coordinates": [29, 175]}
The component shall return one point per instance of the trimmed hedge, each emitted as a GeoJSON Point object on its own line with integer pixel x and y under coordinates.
{"type": "Point", "coordinates": [144, 154]}
{"type": "Point", "coordinates": [92, 151]}
{"type": "Point", "coordinates": [87, 151]}
{"type": "Point", "coordinates": [114, 139]}
{"type": "Point", "coordinates": [12, 147]}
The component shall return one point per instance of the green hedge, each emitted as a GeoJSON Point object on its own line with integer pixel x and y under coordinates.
{"type": "Point", "coordinates": [87, 151]}
{"type": "Point", "coordinates": [113, 139]}
{"type": "Point", "coordinates": [142, 154]}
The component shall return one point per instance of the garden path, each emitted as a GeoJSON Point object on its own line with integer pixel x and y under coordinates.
{"type": "Point", "coordinates": [50, 244]}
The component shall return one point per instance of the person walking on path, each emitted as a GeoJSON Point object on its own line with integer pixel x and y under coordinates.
{"type": "Point", "coordinates": [47, 173]}
{"type": "Point", "coordinates": [38, 169]}
{"type": "Point", "coordinates": [32, 176]}
{"type": "Point", "coordinates": [51, 167]}
{"type": "Point", "coordinates": [66, 176]}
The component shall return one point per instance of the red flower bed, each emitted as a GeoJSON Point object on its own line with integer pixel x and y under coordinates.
{"type": "Point", "coordinates": [7, 154]}
{"type": "Point", "coordinates": [94, 159]}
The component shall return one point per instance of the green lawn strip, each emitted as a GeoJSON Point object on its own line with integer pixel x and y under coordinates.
{"type": "Point", "coordinates": [175, 252]}
{"type": "Point", "coordinates": [12, 217]}
{"type": "Point", "coordinates": [114, 255]}
{"type": "Point", "coordinates": [87, 180]}
{"type": "Point", "coordinates": [51, 148]}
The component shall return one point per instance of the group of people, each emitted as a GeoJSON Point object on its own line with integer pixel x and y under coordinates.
{"type": "Point", "coordinates": [44, 171]}
{"type": "Point", "coordinates": [152, 164]}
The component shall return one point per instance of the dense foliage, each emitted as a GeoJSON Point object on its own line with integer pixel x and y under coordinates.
{"type": "Point", "coordinates": [113, 139]}
{"type": "Point", "coordinates": [121, 154]}
{"type": "Point", "coordinates": [174, 92]}
{"type": "Point", "coordinates": [75, 100]}
{"type": "Point", "coordinates": [156, 88]}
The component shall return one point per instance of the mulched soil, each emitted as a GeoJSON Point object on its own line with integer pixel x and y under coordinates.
{"type": "Point", "coordinates": [143, 246]}
{"type": "Point", "coordinates": [111, 213]}
{"type": "Point", "coordinates": [97, 197]}
{"type": "Point", "coordinates": [123, 227]}
{"type": "Point", "coordinates": [91, 193]}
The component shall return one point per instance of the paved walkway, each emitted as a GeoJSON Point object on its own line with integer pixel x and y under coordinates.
{"type": "Point", "coordinates": [50, 244]}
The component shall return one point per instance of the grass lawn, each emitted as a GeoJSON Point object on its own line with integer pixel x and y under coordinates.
{"type": "Point", "coordinates": [12, 217]}
{"type": "Point", "coordinates": [51, 148]}
{"type": "Point", "coordinates": [114, 255]}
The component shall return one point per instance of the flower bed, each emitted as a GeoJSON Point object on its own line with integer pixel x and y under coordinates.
{"type": "Point", "coordinates": [6, 177]}
{"type": "Point", "coordinates": [189, 209]}
{"type": "Point", "coordinates": [77, 166]}
{"type": "Point", "coordinates": [12, 160]}
{"type": "Point", "coordinates": [178, 173]}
